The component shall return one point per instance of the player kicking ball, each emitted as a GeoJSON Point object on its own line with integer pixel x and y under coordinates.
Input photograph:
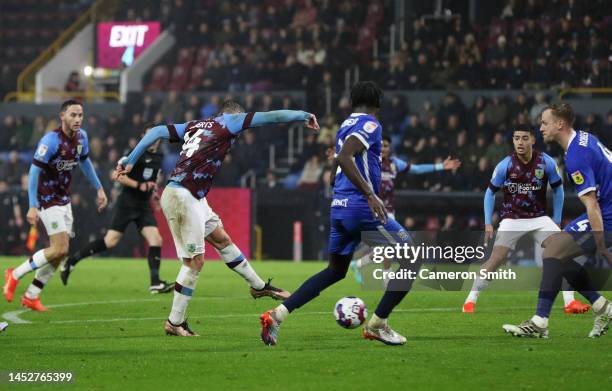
{"type": "Point", "coordinates": [524, 177]}
{"type": "Point", "coordinates": [132, 206]}
{"type": "Point", "coordinates": [390, 167]}
{"type": "Point", "coordinates": [589, 165]}
{"type": "Point", "coordinates": [57, 154]}
{"type": "Point", "coordinates": [205, 144]}
{"type": "Point", "coordinates": [356, 209]}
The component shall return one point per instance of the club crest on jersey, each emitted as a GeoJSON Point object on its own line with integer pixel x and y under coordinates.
{"type": "Point", "coordinates": [577, 177]}
{"type": "Point", "coordinates": [147, 173]}
{"type": "Point", "coordinates": [539, 173]}
{"type": "Point", "coordinates": [79, 149]}
{"type": "Point", "coordinates": [369, 127]}
{"type": "Point", "coordinates": [512, 187]}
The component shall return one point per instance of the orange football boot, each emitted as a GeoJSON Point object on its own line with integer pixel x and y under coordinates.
{"type": "Point", "coordinates": [576, 307]}
{"type": "Point", "coordinates": [33, 304]}
{"type": "Point", "coordinates": [10, 284]}
{"type": "Point", "coordinates": [469, 307]}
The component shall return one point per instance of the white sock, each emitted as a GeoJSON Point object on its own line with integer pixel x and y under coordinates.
{"type": "Point", "coordinates": [37, 261]}
{"type": "Point", "coordinates": [235, 260]}
{"type": "Point", "coordinates": [568, 297]}
{"type": "Point", "coordinates": [364, 261]}
{"type": "Point", "coordinates": [479, 285]}
{"type": "Point", "coordinates": [41, 278]}
{"type": "Point", "coordinates": [281, 313]}
{"type": "Point", "coordinates": [599, 304]}
{"type": "Point", "coordinates": [386, 278]}
{"type": "Point", "coordinates": [539, 321]}
{"type": "Point", "coordinates": [376, 322]}
{"type": "Point", "coordinates": [183, 290]}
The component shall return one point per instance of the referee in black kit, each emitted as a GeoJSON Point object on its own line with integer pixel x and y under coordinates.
{"type": "Point", "coordinates": [132, 206]}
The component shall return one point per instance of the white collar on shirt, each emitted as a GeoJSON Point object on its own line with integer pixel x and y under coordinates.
{"type": "Point", "coordinates": [570, 140]}
{"type": "Point", "coordinates": [357, 114]}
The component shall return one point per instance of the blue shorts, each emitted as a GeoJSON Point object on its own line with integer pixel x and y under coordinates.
{"type": "Point", "coordinates": [347, 232]}
{"type": "Point", "coordinates": [580, 229]}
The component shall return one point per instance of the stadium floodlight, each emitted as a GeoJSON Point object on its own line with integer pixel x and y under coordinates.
{"type": "Point", "coordinates": [88, 70]}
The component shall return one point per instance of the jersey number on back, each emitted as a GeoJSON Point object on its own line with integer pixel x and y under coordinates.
{"type": "Point", "coordinates": [192, 143]}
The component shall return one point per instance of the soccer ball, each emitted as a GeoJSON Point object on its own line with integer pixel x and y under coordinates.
{"type": "Point", "coordinates": [350, 312]}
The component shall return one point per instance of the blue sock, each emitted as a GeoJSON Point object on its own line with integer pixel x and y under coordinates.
{"type": "Point", "coordinates": [552, 278]}
{"type": "Point", "coordinates": [312, 287]}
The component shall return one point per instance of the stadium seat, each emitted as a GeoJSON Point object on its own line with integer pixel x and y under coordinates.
{"type": "Point", "coordinates": [197, 75]}
{"type": "Point", "coordinates": [160, 78]}
{"type": "Point", "coordinates": [180, 77]}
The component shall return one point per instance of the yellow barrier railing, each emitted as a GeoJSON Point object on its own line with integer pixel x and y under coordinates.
{"type": "Point", "coordinates": [600, 90]}
{"type": "Point", "coordinates": [258, 243]}
{"type": "Point", "coordinates": [87, 95]}
{"type": "Point", "coordinates": [26, 79]}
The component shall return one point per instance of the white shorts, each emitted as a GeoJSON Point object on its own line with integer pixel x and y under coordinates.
{"type": "Point", "coordinates": [213, 221]}
{"type": "Point", "coordinates": [185, 214]}
{"type": "Point", "coordinates": [57, 219]}
{"type": "Point", "coordinates": [511, 230]}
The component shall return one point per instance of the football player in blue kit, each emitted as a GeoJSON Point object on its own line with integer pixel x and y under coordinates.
{"type": "Point", "coordinates": [589, 166]}
{"type": "Point", "coordinates": [356, 209]}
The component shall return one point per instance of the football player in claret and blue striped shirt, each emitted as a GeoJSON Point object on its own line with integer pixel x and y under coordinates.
{"type": "Point", "coordinates": [523, 178]}
{"type": "Point", "coordinates": [205, 144]}
{"type": "Point", "coordinates": [588, 164]}
{"type": "Point", "coordinates": [356, 209]}
{"type": "Point", "coordinates": [57, 154]}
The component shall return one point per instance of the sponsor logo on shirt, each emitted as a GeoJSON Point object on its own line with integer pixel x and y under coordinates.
{"type": "Point", "coordinates": [65, 165]}
{"type": "Point", "coordinates": [522, 188]}
{"type": "Point", "coordinates": [342, 203]}
{"type": "Point", "coordinates": [577, 177]}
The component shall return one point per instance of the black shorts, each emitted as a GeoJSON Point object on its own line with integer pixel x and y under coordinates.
{"type": "Point", "coordinates": [142, 217]}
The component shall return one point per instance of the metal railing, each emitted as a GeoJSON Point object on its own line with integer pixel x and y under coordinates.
{"type": "Point", "coordinates": [88, 95]}
{"type": "Point", "coordinates": [26, 79]}
{"type": "Point", "coordinates": [249, 179]}
{"type": "Point", "coordinates": [584, 90]}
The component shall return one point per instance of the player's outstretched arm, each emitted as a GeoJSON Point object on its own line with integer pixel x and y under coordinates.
{"type": "Point", "coordinates": [236, 123]}
{"type": "Point", "coordinates": [353, 146]}
{"type": "Point", "coordinates": [158, 132]}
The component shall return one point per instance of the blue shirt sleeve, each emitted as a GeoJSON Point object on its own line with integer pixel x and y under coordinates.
{"type": "Point", "coordinates": [162, 131]}
{"type": "Point", "coordinates": [489, 204]}
{"type": "Point", "coordinates": [85, 143]}
{"type": "Point", "coordinates": [33, 186]}
{"type": "Point", "coordinates": [558, 198]}
{"type": "Point", "coordinates": [368, 132]}
{"type": "Point", "coordinates": [580, 171]}
{"type": "Point", "coordinates": [90, 172]}
{"type": "Point", "coordinates": [401, 165]}
{"type": "Point", "coordinates": [236, 123]}
{"type": "Point", "coordinates": [499, 175]}
{"type": "Point", "coordinates": [552, 172]}
{"type": "Point", "coordinates": [47, 147]}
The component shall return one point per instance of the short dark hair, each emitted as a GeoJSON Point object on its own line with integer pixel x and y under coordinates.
{"type": "Point", "coordinates": [68, 103]}
{"type": "Point", "coordinates": [366, 93]}
{"type": "Point", "coordinates": [524, 128]}
{"type": "Point", "coordinates": [231, 105]}
{"type": "Point", "coordinates": [386, 138]}
{"type": "Point", "coordinates": [563, 111]}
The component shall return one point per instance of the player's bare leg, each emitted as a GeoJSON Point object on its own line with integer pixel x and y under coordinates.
{"type": "Point", "coordinates": [152, 236]}
{"type": "Point", "coordinates": [499, 255]}
{"type": "Point", "coordinates": [559, 252]}
{"type": "Point", "coordinates": [235, 260]}
{"type": "Point", "coordinates": [183, 290]}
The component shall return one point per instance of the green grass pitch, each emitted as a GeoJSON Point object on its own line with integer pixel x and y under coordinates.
{"type": "Point", "coordinates": [107, 329]}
